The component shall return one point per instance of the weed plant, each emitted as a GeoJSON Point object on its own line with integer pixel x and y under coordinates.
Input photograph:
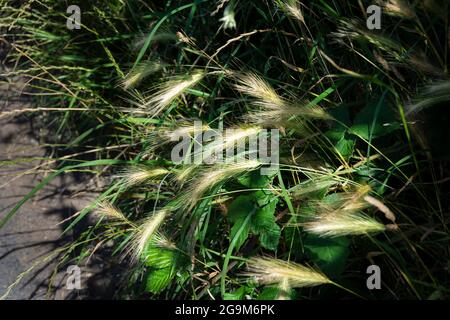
{"type": "Point", "coordinates": [363, 120]}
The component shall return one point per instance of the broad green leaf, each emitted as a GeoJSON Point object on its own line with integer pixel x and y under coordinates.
{"type": "Point", "coordinates": [273, 293]}
{"type": "Point", "coordinates": [236, 295]}
{"type": "Point", "coordinates": [269, 237]}
{"type": "Point", "coordinates": [343, 142]}
{"type": "Point", "coordinates": [345, 145]}
{"type": "Point", "coordinates": [341, 114]}
{"type": "Point", "coordinates": [244, 233]}
{"type": "Point", "coordinates": [262, 223]}
{"type": "Point", "coordinates": [269, 293]}
{"type": "Point", "coordinates": [240, 208]}
{"type": "Point", "coordinates": [159, 257]}
{"type": "Point", "coordinates": [254, 179]}
{"type": "Point", "coordinates": [377, 115]}
{"type": "Point", "coordinates": [330, 254]}
{"type": "Point", "coordinates": [159, 279]}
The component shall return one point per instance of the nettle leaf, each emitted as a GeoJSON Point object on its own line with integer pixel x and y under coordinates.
{"type": "Point", "coordinates": [158, 257]}
{"type": "Point", "coordinates": [376, 115]}
{"type": "Point", "coordinates": [341, 114]}
{"type": "Point", "coordinates": [269, 293]}
{"type": "Point", "coordinates": [330, 254]}
{"type": "Point", "coordinates": [244, 233]}
{"type": "Point", "coordinates": [159, 279]}
{"type": "Point", "coordinates": [270, 236]}
{"type": "Point", "coordinates": [264, 224]}
{"type": "Point", "coordinates": [254, 179]}
{"type": "Point", "coordinates": [261, 206]}
{"type": "Point", "coordinates": [236, 295]}
{"type": "Point", "coordinates": [273, 293]}
{"type": "Point", "coordinates": [344, 143]}
{"type": "Point", "coordinates": [163, 264]}
{"type": "Point", "coordinates": [240, 208]}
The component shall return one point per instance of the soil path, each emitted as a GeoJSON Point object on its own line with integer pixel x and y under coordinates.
{"type": "Point", "coordinates": [34, 232]}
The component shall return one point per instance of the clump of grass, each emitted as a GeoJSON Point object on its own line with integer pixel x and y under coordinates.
{"type": "Point", "coordinates": [343, 97]}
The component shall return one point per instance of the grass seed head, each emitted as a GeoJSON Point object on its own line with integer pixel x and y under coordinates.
{"type": "Point", "coordinates": [342, 224]}
{"type": "Point", "coordinates": [270, 271]}
{"type": "Point", "coordinates": [294, 10]}
{"type": "Point", "coordinates": [169, 91]}
{"type": "Point", "coordinates": [228, 20]}
{"type": "Point", "coordinates": [137, 175]}
{"type": "Point", "coordinates": [137, 74]}
{"type": "Point", "coordinates": [399, 8]}
{"type": "Point", "coordinates": [106, 209]}
{"type": "Point", "coordinates": [213, 176]}
{"type": "Point", "coordinates": [256, 87]}
{"type": "Point", "coordinates": [145, 232]}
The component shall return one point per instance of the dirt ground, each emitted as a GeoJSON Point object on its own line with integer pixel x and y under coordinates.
{"type": "Point", "coordinates": [31, 236]}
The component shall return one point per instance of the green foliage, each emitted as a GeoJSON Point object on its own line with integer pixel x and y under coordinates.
{"type": "Point", "coordinates": [356, 129]}
{"type": "Point", "coordinates": [330, 255]}
{"type": "Point", "coordinates": [261, 206]}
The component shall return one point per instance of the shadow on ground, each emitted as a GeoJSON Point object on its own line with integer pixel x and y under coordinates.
{"type": "Point", "coordinates": [30, 241]}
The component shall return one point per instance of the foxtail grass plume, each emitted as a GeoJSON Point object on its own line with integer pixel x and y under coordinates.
{"type": "Point", "coordinates": [284, 290]}
{"type": "Point", "coordinates": [183, 174]}
{"type": "Point", "coordinates": [182, 130]}
{"type": "Point", "coordinates": [421, 62]}
{"type": "Point", "coordinates": [144, 233]}
{"type": "Point", "coordinates": [399, 8]}
{"type": "Point", "coordinates": [225, 144]}
{"type": "Point", "coordinates": [228, 20]}
{"type": "Point", "coordinates": [353, 29]}
{"type": "Point", "coordinates": [140, 174]}
{"type": "Point", "coordinates": [433, 94]}
{"type": "Point", "coordinates": [162, 35]}
{"type": "Point", "coordinates": [161, 241]}
{"type": "Point", "coordinates": [106, 209]}
{"type": "Point", "coordinates": [293, 9]}
{"type": "Point", "coordinates": [274, 110]}
{"type": "Point", "coordinates": [169, 91]}
{"type": "Point", "coordinates": [341, 224]}
{"type": "Point", "coordinates": [381, 206]}
{"type": "Point", "coordinates": [256, 87]}
{"type": "Point", "coordinates": [270, 271]}
{"type": "Point", "coordinates": [211, 177]}
{"type": "Point", "coordinates": [303, 190]}
{"type": "Point", "coordinates": [230, 139]}
{"type": "Point", "coordinates": [161, 136]}
{"type": "Point", "coordinates": [137, 74]}
{"type": "Point", "coordinates": [343, 203]}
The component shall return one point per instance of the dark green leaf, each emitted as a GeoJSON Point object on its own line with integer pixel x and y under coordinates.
{"type": "Point", "coordinates": [159, 279]}
{"type": "Point", "coordinates": [330, 254]}
{"type": "Point", "coordinates": [236, 295]}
